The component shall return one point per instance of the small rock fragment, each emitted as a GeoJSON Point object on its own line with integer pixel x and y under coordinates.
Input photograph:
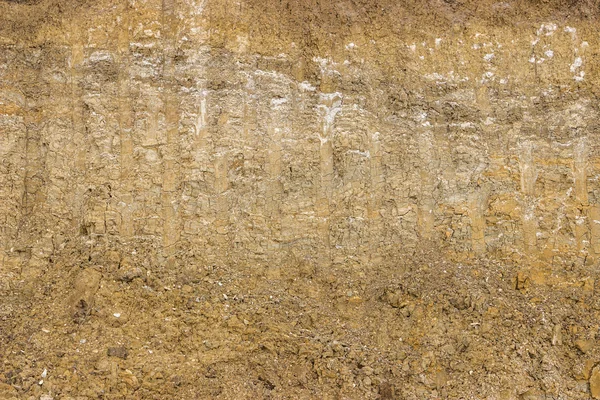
{"type": "Point", "coordinates": [129, 379]}
{"type": "Point", "coordinates": [82, 298]}
{"type": "Point", "coordinates": [120, 352]}
{"type": "Point", "coordinates": [129, 273]}
{"type": "Point", "coordinates": [557, 335]}
{"type": "Point", "coordinates": [103, 365]}
{"type": "Point", "coordinates": [532, 394]}
{"type": "Point", "coordinates": [386, 391]}
{"type": "Point", "coordinates": [584, 345]}
{"type": "Point", "coordinates": [595, 382]}
{"type": "Point", "coordinates": [235, 323]}
{"type": "Point", "coordinates": [582, 371]}
{"type": "Point", "coordinates": [522, 281]}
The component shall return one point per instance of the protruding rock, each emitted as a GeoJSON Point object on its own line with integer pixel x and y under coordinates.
{"type": "Point", "coordinates": [120, 352]}
{"type": "Point", "coordinates": [129, 379]}
{"type": "Point", "coordinates": [557, 335]}
{"type": "Point", "coordinates": [584, 345]}
{"type": "Point", "coordinates": [84, 289]}
{"type": "Point", "coordinates": [386, 391]}
{"type": "Point", "coordinates": [582, 371]}
{"type": "Point", "coordinates": [595, 382]}
{"type": "Point", "coordinates": [522, 281]}
{"type": "Point", "coordinates": [532, 394]}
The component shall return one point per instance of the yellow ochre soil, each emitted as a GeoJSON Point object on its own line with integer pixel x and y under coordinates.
{"type": "Point", "coordinates": [299, 199]}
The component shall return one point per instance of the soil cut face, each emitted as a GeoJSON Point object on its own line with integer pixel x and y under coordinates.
{"type": "Point", "coordinates": [300, 199]}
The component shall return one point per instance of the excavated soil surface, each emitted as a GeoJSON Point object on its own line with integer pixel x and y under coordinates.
{"type": "Point", "coordinates": [423, 329]}
{"type": "Point", "coordinates": [303, 199]}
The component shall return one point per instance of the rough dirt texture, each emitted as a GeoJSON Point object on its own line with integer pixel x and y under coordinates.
{"type": "Point", "coordinates": [299, 199]}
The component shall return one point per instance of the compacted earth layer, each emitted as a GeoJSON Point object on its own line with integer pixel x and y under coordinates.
{"type": "Point", "coordinates": [299, 199]}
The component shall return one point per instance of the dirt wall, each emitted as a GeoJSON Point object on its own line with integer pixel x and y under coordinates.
{"type": "Point", "coordinates": [160, 141]}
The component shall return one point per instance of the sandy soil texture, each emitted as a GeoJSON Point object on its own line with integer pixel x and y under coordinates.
{"type": "Point", "coordinates": [299, 199]}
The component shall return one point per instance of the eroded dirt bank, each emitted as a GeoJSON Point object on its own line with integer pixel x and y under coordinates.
{"type": "Point", "coordinates": [299, 199]}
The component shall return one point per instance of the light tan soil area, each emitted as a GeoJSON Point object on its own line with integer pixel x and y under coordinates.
{"type": "Point", "coordinates": [302, 199]}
